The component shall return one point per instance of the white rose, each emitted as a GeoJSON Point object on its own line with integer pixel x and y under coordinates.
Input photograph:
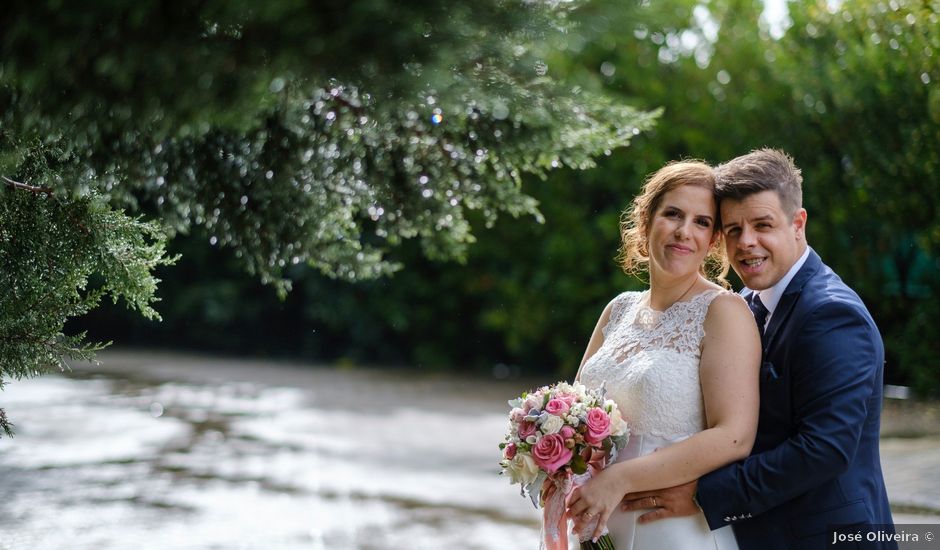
{"type": "Point", "coordinates": [618, 426]}
{"type": "Point", "coordinates": [552, 425]}
{"type": "Point", "coordinates": [522, 469]}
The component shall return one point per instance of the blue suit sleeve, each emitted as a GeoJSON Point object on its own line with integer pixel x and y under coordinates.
{"type": "Point", "coordinates": [833, 366]}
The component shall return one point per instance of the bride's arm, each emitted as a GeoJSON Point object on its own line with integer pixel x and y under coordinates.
{"type": "Point", "coordinates": [597, 338]}
{"type": "Point", "coordinates": [729, 376]}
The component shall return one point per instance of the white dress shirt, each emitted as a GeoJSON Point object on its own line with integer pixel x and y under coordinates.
{"type": "Point", "coordinates": [770, 297]}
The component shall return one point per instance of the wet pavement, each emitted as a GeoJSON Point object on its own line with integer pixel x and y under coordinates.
{"type": "Point", "coordinates": [155, 450]}
{"type": "Point", "coordinates": [181, 452]}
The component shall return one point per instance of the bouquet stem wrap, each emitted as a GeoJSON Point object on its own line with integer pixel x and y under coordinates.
{"type": "Point", "coordinates": [554, 512]}
{"type": "Point", "coordinates": [555, 492]}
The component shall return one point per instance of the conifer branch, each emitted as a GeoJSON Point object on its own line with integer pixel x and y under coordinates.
{"type": "Point", "coordinates": [5, 425]}
{"type": "Point", "coordinates": [26, 187]}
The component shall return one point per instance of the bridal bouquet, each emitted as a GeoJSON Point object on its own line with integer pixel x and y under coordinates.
{"type": "Point", "coordinates": [558, 437]}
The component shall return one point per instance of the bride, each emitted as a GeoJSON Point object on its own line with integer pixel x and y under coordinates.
{"type": "Point", "coordinates": [681, 361]}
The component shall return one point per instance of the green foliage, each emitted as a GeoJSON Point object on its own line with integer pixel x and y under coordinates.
{"type": "Point", "coordinates": [578, 465]}
{"type": "Point", "coordinates": [49, 249]}
{"type": "Point", "coordinates": [872, 103]}
{"type": "Point", "coordinates": [849, 90]}
{"type": "Point", "coordinates": [857, 116]}
{"type": "Point", "coordinates": [289, 134]}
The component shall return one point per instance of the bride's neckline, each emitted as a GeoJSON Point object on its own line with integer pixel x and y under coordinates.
{"type": "Point", "coordinates": [649, 318]}
{"type": "Point", "coordinates": [644, 301]}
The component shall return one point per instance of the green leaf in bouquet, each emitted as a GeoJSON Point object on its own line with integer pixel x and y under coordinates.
{"type": "Point", "coordinates": [578, 465]}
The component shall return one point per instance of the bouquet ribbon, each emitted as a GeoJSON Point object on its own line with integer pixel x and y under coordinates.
{"type": "Point", "coordinates": [554, 514]}
{"type": "Point", "coordinates": [555, 492]}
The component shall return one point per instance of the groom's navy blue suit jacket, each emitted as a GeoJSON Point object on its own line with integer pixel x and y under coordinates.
{"type": "Point", "coordinates": [815, 462]}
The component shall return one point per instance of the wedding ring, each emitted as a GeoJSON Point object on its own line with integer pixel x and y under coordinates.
{"type": "Point", "coordinates": [654, 502]}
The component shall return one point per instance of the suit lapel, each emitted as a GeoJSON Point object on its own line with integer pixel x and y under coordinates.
{"type": "Point", "coordinates": [790, 295]}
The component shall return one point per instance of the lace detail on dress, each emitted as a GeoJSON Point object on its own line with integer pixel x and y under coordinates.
{"type": "Point", "coordinates": [649, 362]}
{"type": "Point", "coordinates": [618, 306]}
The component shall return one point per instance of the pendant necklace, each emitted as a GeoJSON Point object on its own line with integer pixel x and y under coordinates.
{"type": "Point", "coordinates": [649, 317]}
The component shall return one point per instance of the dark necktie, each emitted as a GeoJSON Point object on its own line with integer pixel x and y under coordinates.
{"type": "Point", "coordinates": [759, 311]}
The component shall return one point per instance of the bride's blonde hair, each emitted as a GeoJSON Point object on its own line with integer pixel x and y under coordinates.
{"type": "Point", "coordinates": [635, 220]}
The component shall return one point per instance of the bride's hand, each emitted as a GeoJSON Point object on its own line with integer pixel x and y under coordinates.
{"type": "Point", "coordinates": [595, 500]}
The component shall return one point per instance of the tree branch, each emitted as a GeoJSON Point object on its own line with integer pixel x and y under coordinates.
{"type": "Point", "coordinates": [26, 187]}
{"type": "Point", "coordinates": [5, 424]}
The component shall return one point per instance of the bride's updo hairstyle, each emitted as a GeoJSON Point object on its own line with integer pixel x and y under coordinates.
{"type": "Point", "coordinates": [635, 220]}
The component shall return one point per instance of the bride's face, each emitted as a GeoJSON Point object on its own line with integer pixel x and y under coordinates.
{"type": "Point", "coordinates": [682, 230]}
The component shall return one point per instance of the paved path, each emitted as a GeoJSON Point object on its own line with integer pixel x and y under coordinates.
{"type": "Point", "coordinates": [912, 474]}
{"type": "Point", "coordinates": [910, 457]}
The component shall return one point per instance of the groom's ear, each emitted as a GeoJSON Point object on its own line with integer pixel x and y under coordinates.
{"type": "Point", "coordinates": [799, 224]}
{"type": "Point", "coordinates": [715, 236]}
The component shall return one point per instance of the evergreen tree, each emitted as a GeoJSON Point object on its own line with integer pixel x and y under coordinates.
{"type": "Point", "coordinates": [323, 132]}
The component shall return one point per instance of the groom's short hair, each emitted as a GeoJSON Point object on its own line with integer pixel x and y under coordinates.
{"type": "Point", "coordinates": [761, 170]}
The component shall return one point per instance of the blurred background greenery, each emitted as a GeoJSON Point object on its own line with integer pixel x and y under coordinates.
{"type": "Point", "coordinates": [848, 88]}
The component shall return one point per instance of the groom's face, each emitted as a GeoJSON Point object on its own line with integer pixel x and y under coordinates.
{"type": "Point", "coordinates": [763, 241]}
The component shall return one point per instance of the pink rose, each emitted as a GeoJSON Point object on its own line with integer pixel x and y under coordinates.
{"type": "Point", "coordinates": [526, 429]}
{"type": "Point", "coordinates": [556, 406]}
{"type": "Point", "coordinates": [568, 398]}
{"type": "Point", "coordinates": [598, 426]}
{"type": "Point", "coordinates": [551, 454]}
{"type": "Point", "coordinates": [510, 451]}
{"type": "Point", "coordinates": [516, 415]}
{"type": "Point", "coordinates": [567, 432]}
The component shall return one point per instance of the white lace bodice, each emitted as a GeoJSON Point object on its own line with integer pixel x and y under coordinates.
{"type": "Point", "coordinates": [649, 363]}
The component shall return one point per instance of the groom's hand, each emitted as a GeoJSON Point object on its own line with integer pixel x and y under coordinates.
{"type": "Point", "coordinates": [667, 503]}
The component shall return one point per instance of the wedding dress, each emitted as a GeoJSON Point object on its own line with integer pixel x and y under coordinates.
{"type": "Point", "coordinates": [649, 363]}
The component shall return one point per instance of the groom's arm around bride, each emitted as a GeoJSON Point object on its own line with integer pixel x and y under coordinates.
{"type": "Point", "coordinates": [815, 463]}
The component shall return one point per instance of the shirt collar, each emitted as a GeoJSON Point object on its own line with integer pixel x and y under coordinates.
{"type": "Point", "coordinates": [770, 297]}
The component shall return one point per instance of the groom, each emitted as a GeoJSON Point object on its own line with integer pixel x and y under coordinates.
{"type": "Point", "coordinates": [815, 463]}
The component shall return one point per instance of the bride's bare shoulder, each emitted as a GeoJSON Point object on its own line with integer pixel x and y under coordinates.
{"type": "Point", "coordinates": [728, 307]}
